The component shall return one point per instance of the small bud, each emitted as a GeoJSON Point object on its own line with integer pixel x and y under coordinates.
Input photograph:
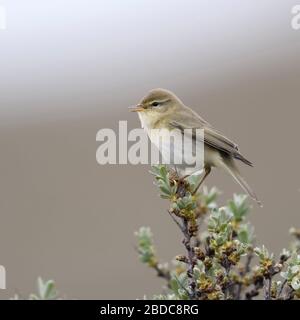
{"type": "Point", "coordinates": [193, 228]}
{"type": "Point", "coordinates": [234, 258]}
{"type": "Point", "coordinates": [207, 262]}
{"type": "Point", "coordinates": [278, 267]}
{"type": "Point", "coordinates": [182, 258]}
{"type": "Point", "coordinates": [199, 253]}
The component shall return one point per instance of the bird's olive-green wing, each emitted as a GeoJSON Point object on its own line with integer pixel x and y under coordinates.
{"type": "Point", "coordinates": [212, 137]}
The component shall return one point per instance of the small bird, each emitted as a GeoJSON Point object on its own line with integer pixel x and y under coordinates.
{"type": "Point", "coordinates": [162, 109]}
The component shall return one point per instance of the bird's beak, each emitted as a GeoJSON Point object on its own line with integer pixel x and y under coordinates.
{"type": "Point", "coordinates": [137, 108]}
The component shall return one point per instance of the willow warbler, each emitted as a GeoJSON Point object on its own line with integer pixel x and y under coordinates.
{"type": "Point", "coordinates": [162, 109]}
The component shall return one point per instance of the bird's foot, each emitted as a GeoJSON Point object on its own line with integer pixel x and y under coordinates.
{"type": "Point", "coordinates": [181, 182]}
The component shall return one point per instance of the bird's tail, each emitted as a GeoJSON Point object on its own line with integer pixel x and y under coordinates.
{"type": "Point", "coordinates": [231, 168]}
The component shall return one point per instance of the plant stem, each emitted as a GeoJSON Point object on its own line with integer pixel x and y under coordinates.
{"type": "Point", "coordinates": [281, 288]}
{"type": "Point", "coordinates": [184, 228]}
{"type": "Point", "coordinates": [163, 274]}
{"type": "Point", "coordinates": [267, 287]}
{"type": "Point", "coordinates": [243, 273]}
{"type": "Point", "coordinates": [191, 258]}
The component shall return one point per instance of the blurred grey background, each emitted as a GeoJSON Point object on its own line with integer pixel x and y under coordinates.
{"type": "Point", "coordinates": [69, 68]}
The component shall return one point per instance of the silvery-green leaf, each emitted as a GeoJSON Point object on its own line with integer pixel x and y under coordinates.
{"type": "Point", "coordinates": [295, 269]}
{"type": "Point", "coordinates": [296, 283]}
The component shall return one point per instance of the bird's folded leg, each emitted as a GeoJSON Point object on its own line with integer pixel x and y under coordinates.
{"type": "Point", "coordinates": [182, 184]}
{"type": "Point", "coordinates": [174, 175]}
{"type": "Point", "coordinates": [207, 171]}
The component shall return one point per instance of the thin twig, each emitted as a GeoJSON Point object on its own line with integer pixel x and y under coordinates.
{"type": "Point", "coordinates": [176, 221]}
{"type": "Point", "coordinates": [281, 288]}
{"type": "Point", "coordinates": [191, 257]}
{"type": "Point", "coordinates": [165, 274]}
{"type": "Point", "coordinates": [243, 273]}
{"type": "Point", "coordinates": [267, 287]}
{"type": "Point", "coordinates": [162, 274]}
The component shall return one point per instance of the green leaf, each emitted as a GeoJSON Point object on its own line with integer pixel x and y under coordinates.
{"type": "Point", "coordinates": [296, 283]}
{"type": "Point", "coordinates": [238, 207]}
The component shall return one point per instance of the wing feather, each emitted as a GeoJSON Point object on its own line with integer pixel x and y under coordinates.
{"type": "Point", "coordinates": [212, 137]}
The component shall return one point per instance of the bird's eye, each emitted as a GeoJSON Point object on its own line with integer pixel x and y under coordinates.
{"type": "Point", "coordinates": [155, 104]}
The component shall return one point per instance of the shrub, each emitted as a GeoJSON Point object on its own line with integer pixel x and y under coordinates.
{"type": "Point", "coordinates": [221, 259]}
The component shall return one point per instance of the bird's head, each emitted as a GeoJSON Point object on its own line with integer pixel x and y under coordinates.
{"type": "Point", "coordinates": [157, 102]}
